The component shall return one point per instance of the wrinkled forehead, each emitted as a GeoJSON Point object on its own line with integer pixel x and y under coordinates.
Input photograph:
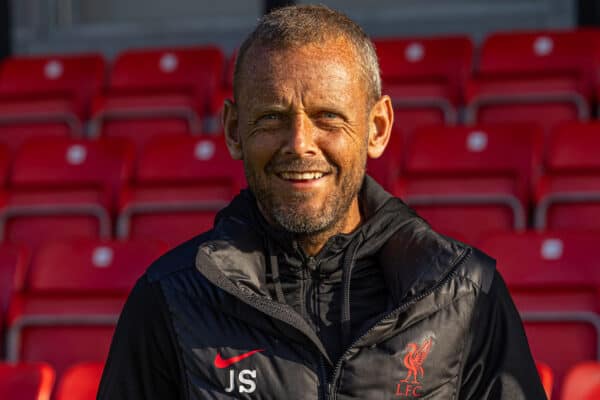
{"type": "Point", "coordinates": [333, 65]}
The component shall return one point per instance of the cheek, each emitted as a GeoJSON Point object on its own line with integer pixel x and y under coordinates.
{"type": "Point", "coordinates": [258, 153]}
{"type": "Point", "coordinates": [347, 154]}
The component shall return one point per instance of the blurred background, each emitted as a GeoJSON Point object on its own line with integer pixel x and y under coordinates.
{"type": "Point", "coordinates": [111, 153]}
{"type": "Point", "coordinates": [110, 26]}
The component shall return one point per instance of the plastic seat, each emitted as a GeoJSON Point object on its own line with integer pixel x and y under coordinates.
{"type": "Point", "coordinates": [425, 77]}
{"type": "Point", "coordinates": [62, 187]}
{"type": "Point", "coordinates": [80, 382]}
{"type": "Point", "coordinates": [75, 302]}
{"type": "Point", "coordinates": [568, 195]}
{"type": "Point", "coordinates": [14, 261]}
{"type": "Point", "coordinates": [158, 91]}
{"type": "Point", "coordinates": [26, 381]}
{"type": "Point", "coordinates": [461, 180]}
{"type": "Point", "coordinates": [546, 376]}
{"type": "Point", "coordinates": [180, 184]}
{"type": "Point", "coordinates": [582, 381]}
{"type": "Point", "coordinates": [544, 77]}
{"type": "Point", "coordinates": [554, 281]}
{"type": "Point", "coordinates": [48, 95]}
{"type": "Point", "coordinates": [212, 123]}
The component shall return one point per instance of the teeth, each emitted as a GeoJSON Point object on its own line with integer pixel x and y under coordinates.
{"type": "Point", "coordinates": [301, 176]}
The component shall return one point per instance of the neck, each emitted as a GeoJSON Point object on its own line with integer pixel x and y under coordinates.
{"type": "Point", "coordinates": [313, 243]}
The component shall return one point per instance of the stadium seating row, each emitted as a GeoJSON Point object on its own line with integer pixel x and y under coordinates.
{"type": "Point", "coordinates": [455, 177]}
{"type": "Point", "coordinates": [49, 301]}
{"type": "Point", "coordinates": [545, 76]}
{"type": "Point", "coordinates": [554, 279]}
{"type": "Point", "coordinates": [163, 90]}
{"type": "Point", "coordinates": [59, 187]}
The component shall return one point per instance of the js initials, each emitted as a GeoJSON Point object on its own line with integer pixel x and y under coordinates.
{"type": "Point", "coordinates": [246, 381]}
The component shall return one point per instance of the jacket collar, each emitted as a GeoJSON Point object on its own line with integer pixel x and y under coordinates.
{"type": "Point", "coordinates": [412, 256]}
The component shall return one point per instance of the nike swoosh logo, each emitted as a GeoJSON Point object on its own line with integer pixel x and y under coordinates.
{"type": "Point", "coordinates": [226, 362]}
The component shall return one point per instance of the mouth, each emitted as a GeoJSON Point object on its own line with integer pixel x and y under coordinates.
{"type": "Point", "coordinates": [301, 176]}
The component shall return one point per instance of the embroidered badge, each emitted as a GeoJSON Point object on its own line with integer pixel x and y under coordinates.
{"type": "Point", "coordinates": [415, 356]}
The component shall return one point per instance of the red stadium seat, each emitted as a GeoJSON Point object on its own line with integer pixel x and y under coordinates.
{"type": "Point", "coordinates": [64, 187]}
{"type": "Point", "coordinates": [75, 302]}
{"type": "Point", "coordinates": [461, 180]}
{"type": "Point", "coordinates": [14, 261]}
{"type": "Point", "coordinates": [48, 95]}
{"type": "Point", "coordinates": [181, 183]}
{"type": "Point", "coordinates": [425, 77]}
{"type": "Point", "coordinates": [159, 91]}
{"type": "Point", "coordinates": [554, 281]}
{"type": "Point", "coordinates": [582, 382]}
{"type": "Point", "coordinates": [5, 164]}
{"type": "Point", "coordinates": [568, 195]}
{"type": "Point", "coordinates": [80, 382]}
{"type": "Point", "coordinates": [26, 381]}
{"type": "Point", "coordinates": [547, 378]}
{"type": "Point", "coordinates": [213, 121]}
{"type": "Point", "coordinates": [544, 77]}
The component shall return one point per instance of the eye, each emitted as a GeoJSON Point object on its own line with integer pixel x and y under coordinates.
{"type": "Point", "coordinates": [329, 115]}
{"type": "Point", "coordinates": [270, 117]}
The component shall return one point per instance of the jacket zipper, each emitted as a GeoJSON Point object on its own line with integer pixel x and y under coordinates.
{"type": "Point", "coordinates": [399, 309]}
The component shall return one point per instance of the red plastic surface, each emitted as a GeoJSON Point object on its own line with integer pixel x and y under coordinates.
{"type": "Point", "coordinates": [470, 163]}
{"type": "Point", "coordinates": [552, 272]}
{"type": "Point", "coordinates": [80, 382]}
{"type": "Point", "coordinates": [26, 381]}
{"type": "Point", "coordinates": [582, 382]}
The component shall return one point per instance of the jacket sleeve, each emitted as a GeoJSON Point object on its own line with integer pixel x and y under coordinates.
{"type": "Point", "coordinates": [142, 361]}
{"type": "Point", "coordinates": [498, 364]}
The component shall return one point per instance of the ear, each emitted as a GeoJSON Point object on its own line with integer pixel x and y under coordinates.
{"type": "Point", "coordinates": [230, 126]}
{"type": "Point", "coordinates": [381, 120]}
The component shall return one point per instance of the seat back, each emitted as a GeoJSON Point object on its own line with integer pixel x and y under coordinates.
{"type": "Point", "coordinates": [14, 261]}
{"type": "Point", "coordinates": [535, 53]}
{"type": "Point", "coordinates": [457, 176]}
{"type": "Point", "coordinates": [80, 382]}
{"type": "Point", "coordinates": [582, 381]}
{"type": "Point", "coordinates": [423, 60]}
{"type": "Point", "coordinates": [75, 77]}
{"type": "Point", "coordinates": [44, 163]}
{"type": "Point", "coordinates": [553, 279]}
{"type": "Point", "coordinates": [26, 381]}
{"type": "Point", "coordinates": [197, 71]}
{"type": "Point", "coordinates": [94, 267]}
{"type": "Point", "coordinates": [546, 376]}
{"type": "Point", "coordinates": [573, 148]}
{"type": "Point", "coordinates": [189, 160]}
{"type": "Point", "coordinates": [568, 196]}
{"type": "Point", "coordinates": [73, 295]}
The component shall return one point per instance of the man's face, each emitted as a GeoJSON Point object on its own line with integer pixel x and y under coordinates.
{"type": "Point", "coordinates": [302, 124]}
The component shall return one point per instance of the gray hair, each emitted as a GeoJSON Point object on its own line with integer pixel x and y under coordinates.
{"type": "Point", "coordinates": [295, 26]}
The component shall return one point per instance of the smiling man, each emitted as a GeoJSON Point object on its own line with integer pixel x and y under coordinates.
{"type": "Point", "coordinates": [315, 283]}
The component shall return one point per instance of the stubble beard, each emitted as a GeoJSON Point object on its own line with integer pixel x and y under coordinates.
{"type": "Point", "coordinates": [290, 211]}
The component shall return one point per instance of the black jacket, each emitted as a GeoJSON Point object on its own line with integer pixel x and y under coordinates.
{"type": "Point", "coordinates": [214, 319]}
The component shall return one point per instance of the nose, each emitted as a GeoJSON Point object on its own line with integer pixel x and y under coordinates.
{"type": "Point", "coordinates": [300, 139]}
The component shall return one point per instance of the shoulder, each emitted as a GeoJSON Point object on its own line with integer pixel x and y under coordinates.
{"type": "Point", "coordinates": [479, 268]}
{"type": "Point", "coordinates": [182, 257]}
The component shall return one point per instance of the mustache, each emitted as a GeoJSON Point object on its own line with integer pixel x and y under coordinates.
{"type": "Point", "coordinates": [299, 165]}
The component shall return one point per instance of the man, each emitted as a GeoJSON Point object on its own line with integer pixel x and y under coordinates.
{"type": "Point", "coordinates": [316, 283]}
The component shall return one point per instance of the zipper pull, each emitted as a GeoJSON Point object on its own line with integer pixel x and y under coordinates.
{"type": "Point", "coordinates": [312, 263]}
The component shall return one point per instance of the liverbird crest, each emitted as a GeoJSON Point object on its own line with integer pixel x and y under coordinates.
{"type": "Point", "coordinates": [414, 359]}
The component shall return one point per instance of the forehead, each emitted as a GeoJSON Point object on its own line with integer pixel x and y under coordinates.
{"type": "Point", "coordinates": [331, 67]}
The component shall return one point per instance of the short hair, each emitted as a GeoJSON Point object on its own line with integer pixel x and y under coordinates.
{"type": "Point", "coordinates": [295, 26]}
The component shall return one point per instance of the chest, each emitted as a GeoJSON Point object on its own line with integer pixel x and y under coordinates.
{"type": "Point", "coordinates": [244, 354]}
